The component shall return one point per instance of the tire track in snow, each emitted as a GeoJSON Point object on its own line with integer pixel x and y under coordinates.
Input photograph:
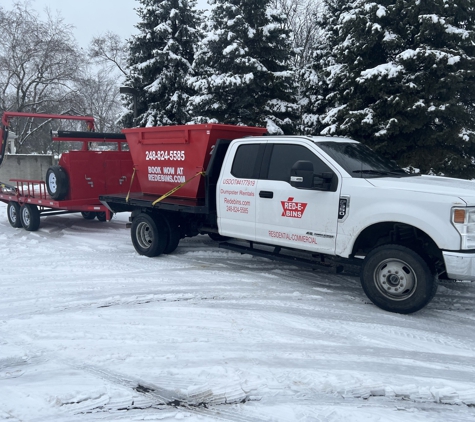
{"type": "Point", "coordinates": [200, 401]}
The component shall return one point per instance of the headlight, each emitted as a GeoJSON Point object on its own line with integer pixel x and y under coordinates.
{"type": "Point", "coordinates": [464, 221]}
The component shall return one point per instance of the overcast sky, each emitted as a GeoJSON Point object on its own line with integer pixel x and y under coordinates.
{"type": "Point", "coordinates": [93, 17]}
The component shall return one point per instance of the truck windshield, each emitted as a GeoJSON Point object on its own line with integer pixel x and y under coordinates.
{"type": "Point", "coordinates": [360, 161]}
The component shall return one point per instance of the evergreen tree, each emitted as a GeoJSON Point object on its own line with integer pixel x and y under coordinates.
{"type": "Point", "coordinates": [403, 81]}
{"type": "Point", "coordinates": [241, 72]}
{"type": "Point", "coordinates": [160, 58]}
{"type": "Point", "coordinates": [317, 94]}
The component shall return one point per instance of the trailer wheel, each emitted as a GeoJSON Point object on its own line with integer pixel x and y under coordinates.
{"type": "Point", "coordinates": [102, 216]}
{"type": "Point", "coordinates": [397, 279]}
{"type": "Point", "coordinates": [88, 215]}
{"type": "Point", "coordinates": [174, 235]}
{"type": "Point", "coordinates": [13, 212]}
{"type": "Point", "coordinates": [57, 182]}
{"type": "Point", "coordinates": [149, 235]}
{"type": "Point", "coordinates": [30, 217]}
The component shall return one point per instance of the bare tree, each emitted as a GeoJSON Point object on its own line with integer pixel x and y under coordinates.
{"type": "Point", "coordinates": [109, 49]}
{"type": "Point", "coordinates": [302, 21]}
{"type": "Point", "coordinates": [97, 94]}
{"type": "Point", "coordinates": [38, 61]}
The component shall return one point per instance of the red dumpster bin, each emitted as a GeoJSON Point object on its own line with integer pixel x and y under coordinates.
{"type": "Point", "coordinates": [166, 156]}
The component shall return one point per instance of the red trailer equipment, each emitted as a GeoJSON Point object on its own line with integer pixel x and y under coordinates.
{"type": "Point", "coordinates": [74, 185]}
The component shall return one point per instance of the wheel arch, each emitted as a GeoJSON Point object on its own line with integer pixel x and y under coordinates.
{"type": "Point", "coordinates": [391, 232]}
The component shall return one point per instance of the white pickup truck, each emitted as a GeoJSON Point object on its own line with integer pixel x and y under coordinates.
{"type": "Point", "coordinates": [323, 202]}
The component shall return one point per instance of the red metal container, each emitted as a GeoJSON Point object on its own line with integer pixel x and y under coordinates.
{"type": "Point", "coordinates": [166, 156]}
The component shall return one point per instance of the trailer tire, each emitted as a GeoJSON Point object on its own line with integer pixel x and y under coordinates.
{"type": "Point", "coordinates": [57, 182]}
{"type": "Point", "coordinates": [149, 235]}
{"type": "Point", "coordinates": [88, 215]}
{"type": "Point", "coordinates": [30, 217]}
{"type": "Point", "coordinates": [397, 279]}
{"type": "Point", "coordinates": [101, 216]}
{"type": "Point", "coordinates": [13, 212]}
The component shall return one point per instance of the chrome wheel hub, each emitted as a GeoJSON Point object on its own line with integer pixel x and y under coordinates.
{"type": "Point", "coordinates": [144, 235]}
{"type": "Point", "coordinates": [395, 279]}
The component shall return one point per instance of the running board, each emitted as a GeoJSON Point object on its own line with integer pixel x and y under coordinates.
{"type": "Point", "coordinates": [275, 255]}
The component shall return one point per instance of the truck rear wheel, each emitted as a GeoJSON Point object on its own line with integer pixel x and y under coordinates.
{"type": "Point", "coordinates": [30, 217]}
{"type": "Point", "coordinates": [57, 182]}
{"type": "Point", "coordinates": [149, 235]}
{"type": "Point", "coordinates": [13, 212]}
{"type": "Point", "coordinates": [173, 233]}
{"type": "Point", "coordinates": [397, 279]}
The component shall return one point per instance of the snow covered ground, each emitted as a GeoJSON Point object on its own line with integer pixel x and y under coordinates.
{"type": "Point", "coordinates": [91, 331]}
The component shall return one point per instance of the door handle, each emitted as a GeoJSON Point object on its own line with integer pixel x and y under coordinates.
{"type": "Point", "coordinates": [266, 194]}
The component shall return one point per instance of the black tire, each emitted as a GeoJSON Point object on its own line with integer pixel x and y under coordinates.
{"type": "Point", "coordinates": [397, 279]}
{"type": "Point", "coordinates": [174, 235]}
{"type": "Point", "coordinates": [88, 215]}
{"type": "Point", "coordinates": [149, 235]}
{"type": "Point", "coordinates": [30, 217]}
{"type": "Point", "coordinates": [217, 237]}
{"type": "Point", "coordinates": [57, 182]}
{"type": "Point", "coordinates": [101, 216]}
{"type": "Point", "coordinates": [13, 212]}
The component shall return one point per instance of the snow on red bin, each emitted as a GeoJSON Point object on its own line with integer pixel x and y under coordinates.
{"type": "Point", "coordinates": [167, 156]}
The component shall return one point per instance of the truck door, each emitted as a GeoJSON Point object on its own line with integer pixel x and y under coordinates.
{"type": "Point", "coordinates": [236, 190]}
{"type": "Point", "coordinates": [297, 218]}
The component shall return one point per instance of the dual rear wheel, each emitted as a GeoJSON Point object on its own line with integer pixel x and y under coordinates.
{"type": "Point", "coordinates": [153, 235]}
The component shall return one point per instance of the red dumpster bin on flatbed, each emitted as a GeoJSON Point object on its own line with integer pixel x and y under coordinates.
{"type": "Point", "coordinates": [166, 156]}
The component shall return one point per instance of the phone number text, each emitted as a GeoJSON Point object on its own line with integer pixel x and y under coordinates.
{"type": "Point", "coordinates": [165, 155]}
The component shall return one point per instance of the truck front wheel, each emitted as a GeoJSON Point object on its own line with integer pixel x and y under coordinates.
{"type": "Point", "coordinates": [397, 279]}
{"type": "Point", "coordinates": [149, 235]}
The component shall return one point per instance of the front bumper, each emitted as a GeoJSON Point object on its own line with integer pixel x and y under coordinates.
{"type": "Point", "coordinates": [459, 265]}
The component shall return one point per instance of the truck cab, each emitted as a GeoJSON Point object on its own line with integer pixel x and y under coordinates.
{"type": "Point", "coordinates": [283, 191]}
{"type": "Point", "coordinates": [336, 197]}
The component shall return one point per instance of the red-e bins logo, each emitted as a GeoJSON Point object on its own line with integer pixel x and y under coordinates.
{"type": "Point", "coordinates": [293, 209]}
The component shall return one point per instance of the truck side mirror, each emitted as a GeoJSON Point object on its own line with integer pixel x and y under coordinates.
{"type": "Point", "coordinates": [323, 180]}
{"type": "Point", "coordinates": [301, 175]}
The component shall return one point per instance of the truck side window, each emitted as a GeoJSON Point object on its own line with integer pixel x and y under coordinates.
{"type": "Point", "coordinates": [284, 157]}
{"type": "Point", "coordinates": [244, 163]}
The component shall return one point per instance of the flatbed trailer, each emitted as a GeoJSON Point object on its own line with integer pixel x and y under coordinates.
{"type": "Point", "coordinates": [74, 185]}
{"type": "Point", "coordinates": [28, 200]}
